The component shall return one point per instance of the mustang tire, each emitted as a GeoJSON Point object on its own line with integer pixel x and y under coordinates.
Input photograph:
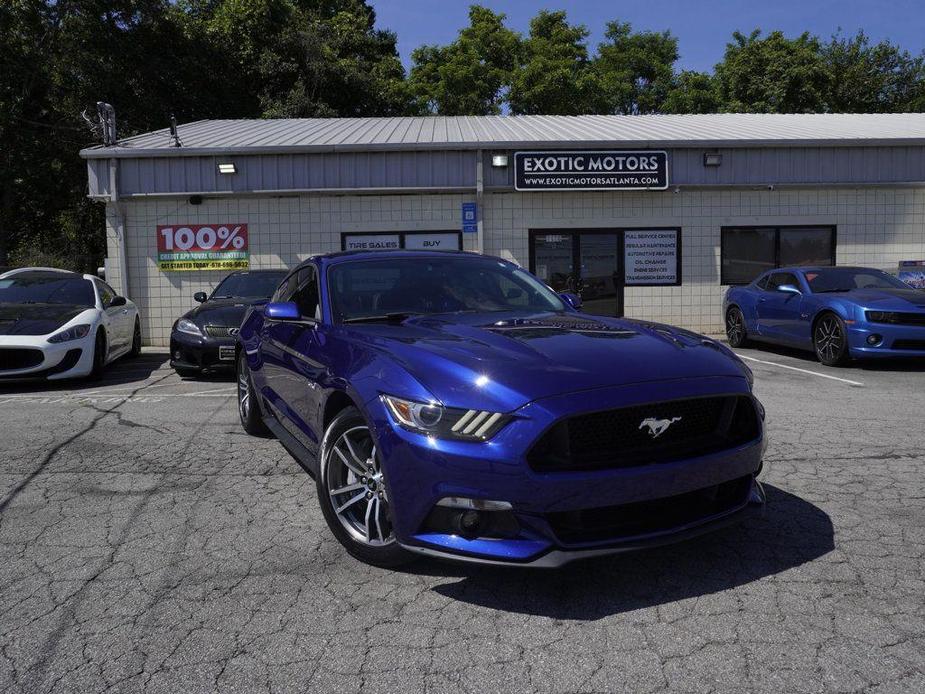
{"type": "Point", "coordinates": [352, 492]}
{"type": "Point", "coordinates": [248, 407]}
{"type": "Point", "coordinates": [830, 340]}
{"type": "Point", "coordinates": [735, 328]}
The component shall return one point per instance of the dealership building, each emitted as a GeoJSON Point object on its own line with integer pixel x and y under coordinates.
{"type": "Point", "coordinates": [645, 216]}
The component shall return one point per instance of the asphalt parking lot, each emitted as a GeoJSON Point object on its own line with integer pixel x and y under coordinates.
{"type": "Point", "coordinates": [148, 544]}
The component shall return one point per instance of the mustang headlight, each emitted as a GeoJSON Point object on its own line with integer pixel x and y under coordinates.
{"type": "Point", "coordinates": [444, 422]}
{"type": "Point", "coordinates": [185, 325]}
{"type": "Point", "coordinates": [75, 332]}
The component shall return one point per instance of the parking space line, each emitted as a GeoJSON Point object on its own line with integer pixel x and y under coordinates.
{"type": "Point", "coordinates": [805, 371]}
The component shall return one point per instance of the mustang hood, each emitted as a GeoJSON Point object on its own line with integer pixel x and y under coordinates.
{"type": "Point", "coordinates": [504, 362]}
{"type": "Point", "coordinates": [888, 299]}
{"type": "Point", "coordinates": [226, 312]}
{"type": "Point", "coordinates": [36, 319]}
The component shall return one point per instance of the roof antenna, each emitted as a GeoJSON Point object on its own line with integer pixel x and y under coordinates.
{"type": "Point", "coordinates": [107, 116]}
{"type": "Point", "coordinates": [173, 131]}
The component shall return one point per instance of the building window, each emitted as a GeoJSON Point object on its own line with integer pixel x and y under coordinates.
{"type": "Point", "coordinates": [746, 252]}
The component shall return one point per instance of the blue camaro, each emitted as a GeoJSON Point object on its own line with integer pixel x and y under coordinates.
{"type": "Point", "coordinates": [837, 312]}
{"type": "Point", "coordinates": [450, 404]}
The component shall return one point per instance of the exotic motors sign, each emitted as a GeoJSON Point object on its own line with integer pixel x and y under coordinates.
{"type": "Point", "coordinates": [605, 170]}
{"type": "Point", "coordinates": [202, 247]}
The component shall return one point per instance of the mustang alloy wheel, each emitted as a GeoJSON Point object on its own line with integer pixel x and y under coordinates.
{"type": "Point", "coordinates": [353, 493]}
{"type": "Point", "coordinates": [830, 340]}
{"type": "Point", "coordinates": [735, 328]}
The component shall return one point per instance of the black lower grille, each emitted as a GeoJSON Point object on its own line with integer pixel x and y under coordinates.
{"type": "Point", "coordinates": [12, 358]}
{"type": "Point", "coordinates": [909, 344]}
{"type": "Point", "coordinates": [646, 434]}
{"type": "Point", "coordinates": [646, 517]}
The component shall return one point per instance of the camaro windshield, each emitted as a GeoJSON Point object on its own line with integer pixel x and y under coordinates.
{"type": "Point", "coordinates": [843, 279]}
{"type": "Point", "coordinates": [32, 289]}
{"type": "Point", "coordinates": [397, 286]}
{"type": "Point", "coordinates": [249, 285]}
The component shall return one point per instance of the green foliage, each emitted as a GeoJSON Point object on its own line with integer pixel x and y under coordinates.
{"type": "Point", "coordinates": [467, 76]}
{"type": "Point", "coordinates": [773, 74]}
{"type": "Point", "coordinates": [555, 75]}
{"type": "Point", "coordinates": [692, 92]}
{"type": "Point", "coordinates": [636, 69]}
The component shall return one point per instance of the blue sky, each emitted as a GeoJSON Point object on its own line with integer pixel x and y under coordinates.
{"type": "Point", "coordinates": [703, 27]}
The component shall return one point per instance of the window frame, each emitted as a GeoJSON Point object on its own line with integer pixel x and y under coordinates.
{"type": "Point", "coordinates": [777, 228]}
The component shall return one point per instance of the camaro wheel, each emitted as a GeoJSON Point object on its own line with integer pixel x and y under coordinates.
{"type": "Point", "coordinates": [99, 356]}
{"type": "Point", "coordinates": [735, 328]}
{"type": "Point", "coordinates": [136, 340]}
{"type": "Point", "coordinates": [353, 494]}
{"type": "Point", "coordinates": [830, 340]}
{"type": "Point", "coordinates": [248, 409]}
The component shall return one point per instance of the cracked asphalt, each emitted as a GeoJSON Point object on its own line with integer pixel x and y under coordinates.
{"type": "Point", "coordinates": [148, 545]}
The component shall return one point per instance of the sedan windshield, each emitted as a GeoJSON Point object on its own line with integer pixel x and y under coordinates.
{"type": "Point", "coordinates": [35, 288]}
{"type": "Point", "coordinates": [371, 289]}
{"type": "Point", "coordinates": [249, 285]}
{"type": "Point", "coordinates": [845, 279]}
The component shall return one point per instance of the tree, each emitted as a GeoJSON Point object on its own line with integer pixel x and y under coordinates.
{"type": "Point", "coordinates": [636, 69]}
{"type": "Point", "coordinates": [881, 78]}
{"type": "Point", "coordinates": [773, 74]}
{"type": "Point", "coordinates": [468, 76]}
{"type": "Point", "coordinates": [555, 76]}
{"type": "Point", "coordinates": [692, 92]}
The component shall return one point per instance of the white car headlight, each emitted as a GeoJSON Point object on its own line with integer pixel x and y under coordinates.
{"type": "Point", "coordinates": [444, 422]}
{"type": "Point", "coordinates": [185, 325]}
{"type": "Point", "coordinates": [75, 332]}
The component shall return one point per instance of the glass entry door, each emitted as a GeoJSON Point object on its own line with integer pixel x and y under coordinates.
{"type": "Point", "coordinates": [585, 263]}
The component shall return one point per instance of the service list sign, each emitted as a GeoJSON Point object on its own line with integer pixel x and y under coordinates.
{"type": "Point", "coordinates": [202, 247]}
{"type": "Point", "coordinates": [650, 257]}
{"type": "Point", "coordinates": [603, 170]}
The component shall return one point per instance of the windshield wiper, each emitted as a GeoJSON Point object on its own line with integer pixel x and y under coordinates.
{"type": "Point", "coordinates": [396, 317]}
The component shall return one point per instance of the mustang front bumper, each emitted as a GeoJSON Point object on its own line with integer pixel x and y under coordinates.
{"type": "Point", "coordinates": [554, 518]}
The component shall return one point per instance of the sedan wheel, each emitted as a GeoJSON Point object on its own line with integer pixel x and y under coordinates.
{"type": "Point", "coordinates": [353, 493]}
{"type": "Point", "coordinates": [830, 340]}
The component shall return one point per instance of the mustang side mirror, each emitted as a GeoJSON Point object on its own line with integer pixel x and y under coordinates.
{"type": "Point", "coordinates": [117, 301]}
{"type": "Point", "coordinates": [200, 297]}
{"type": "Point", "coordinates": [788, 289]}
{"type": "Point", "coordinates": [571, 299]}
{"type": "Point", "coordinates": [282, 310]}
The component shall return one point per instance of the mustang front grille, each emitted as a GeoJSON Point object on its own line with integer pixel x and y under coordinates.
{"type": "Point", "coordinates": [646, 434]}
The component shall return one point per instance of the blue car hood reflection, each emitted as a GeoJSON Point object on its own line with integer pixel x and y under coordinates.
{"type": "Point", "coordinates": [503, 361]}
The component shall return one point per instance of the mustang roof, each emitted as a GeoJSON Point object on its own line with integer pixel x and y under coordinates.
{"type": "Point", "coordinates": [522, 132]}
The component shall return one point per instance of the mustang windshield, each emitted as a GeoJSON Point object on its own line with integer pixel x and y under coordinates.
{"type": "Point", "coordinates": [41, 288]}
{"type": "Point", "coordinates": [393, 287]}
{"type": "Point", "coordinates": [249, 285]}
{"type": "Point", "coordinates": [844, 279]}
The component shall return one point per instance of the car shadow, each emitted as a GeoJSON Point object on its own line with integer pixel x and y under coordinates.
{"type": "Point", "coordinates": [126, 370]}
{"type": "Point", "coordinates": [901, 364]}
{"type": "Point", "coordinates": [790, 533]}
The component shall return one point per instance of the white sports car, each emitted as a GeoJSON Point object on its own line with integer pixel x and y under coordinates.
{"type": "Point", "coordinates": [59, 324]}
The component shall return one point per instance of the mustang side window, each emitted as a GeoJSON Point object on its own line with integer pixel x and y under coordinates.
{"type": "Point", "coordinates": [306, 297]}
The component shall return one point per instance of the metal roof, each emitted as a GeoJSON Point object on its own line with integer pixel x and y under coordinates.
{"type": "Point", "coordinates": [277, 136]}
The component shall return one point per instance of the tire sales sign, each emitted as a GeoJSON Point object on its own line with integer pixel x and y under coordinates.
{"type": "Point", "coordinates": [585, 170]}
{"type": "Point", "coordinates": [202, 247]}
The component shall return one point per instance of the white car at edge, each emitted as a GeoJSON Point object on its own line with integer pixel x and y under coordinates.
{"type": "Point", "coordinates": [58, 324]}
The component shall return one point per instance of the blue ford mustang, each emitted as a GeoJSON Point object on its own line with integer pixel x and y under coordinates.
{"type": "Point", "coordinates": [450, 404]}
{"type": "Point", "coordinates": [838, 312]}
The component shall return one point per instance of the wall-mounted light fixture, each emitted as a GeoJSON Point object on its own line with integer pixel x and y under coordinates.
{"type": "Point", "coordinates": [712, 159]}
{"type": "Point", "coordinates": [499, 160]}
{"type": "Point", "coordinates": [227, 167]}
